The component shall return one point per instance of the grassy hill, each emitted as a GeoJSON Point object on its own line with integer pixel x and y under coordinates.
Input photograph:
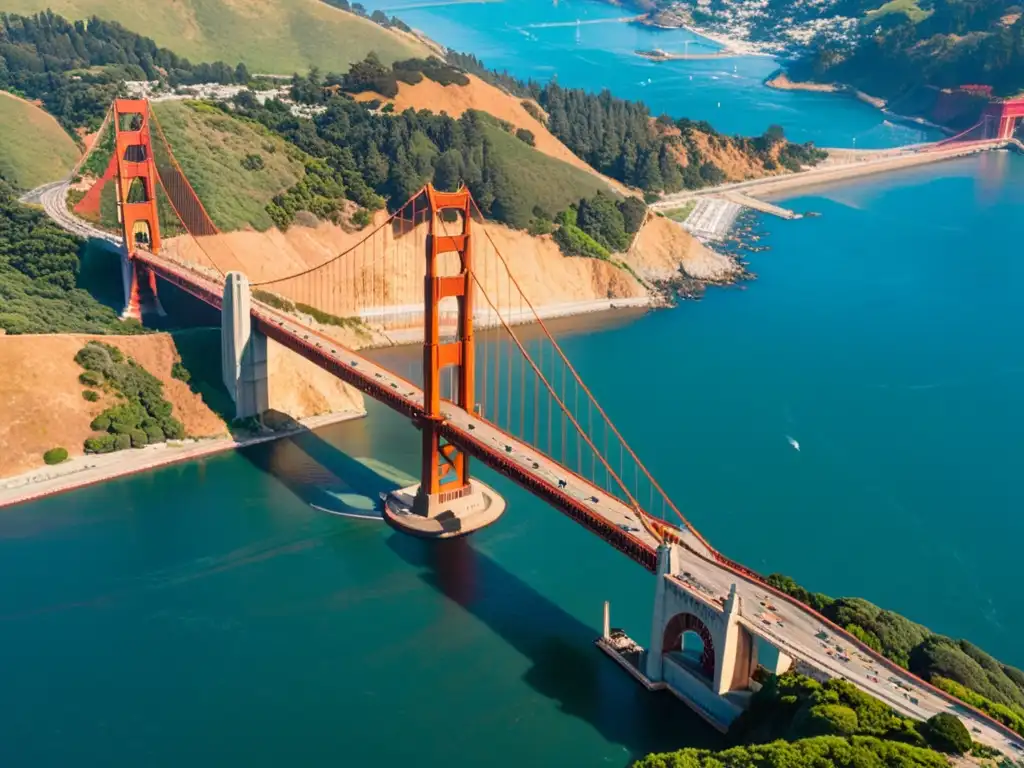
{"type": "Point", "coordinates": [34, 149]}
{"type": "Point", "coordinates": [540, 180]}
{"type": "Point", "coordinates": [210, 146]}
{"type": "Point", "coordinates": [274, 36]}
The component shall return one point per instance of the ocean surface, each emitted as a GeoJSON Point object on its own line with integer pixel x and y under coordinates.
{"type": "Point", "coordinates": [212, 614]}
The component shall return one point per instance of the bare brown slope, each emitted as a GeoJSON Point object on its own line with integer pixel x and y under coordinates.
{"type": "Point", "coordinates": [547, 277]}
{"type": "Point", "coordinates": [41, 392]}
{"type": "Point", "coordinates": [478, 95]}
{"type": "Point", "coordinates": [662, 247]}
{"type": "Point", "coordinates": [736, 165]}
{"type": "Point", "coordinates": [41, 397]}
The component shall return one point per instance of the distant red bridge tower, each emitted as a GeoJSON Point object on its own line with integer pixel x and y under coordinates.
{"type": "Point", "coordinates": [1002, 116]}
{"type": "Point", "coordinates": [136, 180]}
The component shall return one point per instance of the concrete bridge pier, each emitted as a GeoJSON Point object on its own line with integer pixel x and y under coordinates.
{"type": "Point", "coordinates": [131, 272]}
{"type": "Point", "coordinates": [714, 681]}
{"type": "Point", "coordinates": [243, 350]}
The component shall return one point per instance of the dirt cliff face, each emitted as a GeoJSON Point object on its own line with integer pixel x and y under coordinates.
{"type": "Point", "coordinates": [736, 165]}
{"type": "Point", "coordinates": [349, 285]}
{"type": "Point", "coordinates": [41, 393]}
{"type": "Point", "coordinates": [663, 247]}
{"type": "Point", "coordinates": [41, 397]}
{"type": "Point", "coordinates": [301, 389]}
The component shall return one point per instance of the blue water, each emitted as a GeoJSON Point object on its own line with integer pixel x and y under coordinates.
{"type": "Point", "coordinates": [728, 92]}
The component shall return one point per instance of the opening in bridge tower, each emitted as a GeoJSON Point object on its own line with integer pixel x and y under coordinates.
{"type": "Point", "coordinates": [136, 182]}
{"type": "Point", "coordinates": [446, 502]}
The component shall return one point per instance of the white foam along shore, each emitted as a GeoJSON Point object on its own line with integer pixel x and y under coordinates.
{"type": "Point", "coordinates": [87, 470]}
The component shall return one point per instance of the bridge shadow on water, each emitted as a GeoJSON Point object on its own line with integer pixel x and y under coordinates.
{"type": "Point", "coordinates": [566, 666]}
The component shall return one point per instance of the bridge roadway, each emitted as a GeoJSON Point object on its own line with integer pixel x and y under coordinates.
{"type": "Point", "coordinates": [780, 620]}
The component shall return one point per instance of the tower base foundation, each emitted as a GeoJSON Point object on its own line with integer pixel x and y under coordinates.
{"type": "Point", "coordinates": [429, 517]}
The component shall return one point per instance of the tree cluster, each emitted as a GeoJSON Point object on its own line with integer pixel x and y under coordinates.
{"type": "Point", "coordinates": [793, 706]}
{"type": "Point", "coordinates": [834, 751]}
{"type": "Point", "coordinates": [373, 158]}
{"type": "Point", "coordinates": [76, 68]}
{"type": "Point", "coordinates": [39, 274]}
{"type": "Point", "coordinates": [599, 226]}
{"type": "Point", "coordinates": [142, 416]}
{"type": "Point", "coordinates": [955, 665]}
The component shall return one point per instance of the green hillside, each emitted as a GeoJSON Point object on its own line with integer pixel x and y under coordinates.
{"type": "Point", "coordinates": [273, 36]}
{"type": "Point", "coordinates": [211, 147]}
{"type": "Point", "coordinates": [34, 149]}
{"type": "Point", "coordinates": [538, 179]}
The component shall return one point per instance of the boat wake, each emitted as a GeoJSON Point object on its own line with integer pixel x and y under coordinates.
{"type": "Point", "coordinates": [792, 442]}
{"type": "Point", "coordinates": [354, 515]}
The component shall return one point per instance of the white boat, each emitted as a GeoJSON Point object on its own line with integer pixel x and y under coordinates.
{"type": "Point", "coordinates": [794, 443]}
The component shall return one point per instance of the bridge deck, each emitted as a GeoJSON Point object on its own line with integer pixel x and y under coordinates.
{"type": "Point", "coordinates": [788, 625]}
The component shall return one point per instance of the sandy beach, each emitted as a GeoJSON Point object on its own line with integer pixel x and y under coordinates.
{"type": "Point", "coordinates": [91, 469]}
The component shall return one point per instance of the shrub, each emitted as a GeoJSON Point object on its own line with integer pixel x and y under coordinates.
{"type": "Point", "coordinates": [172, 428]}
{"type": "Point", "coordinates": [154, 434]}
{"type": "Point", "coordinates": [101, 444]}
{"type": "Point", "coordinates": [90, 395]}
{"type": "Point", "coordinates": [1012, 717]}
{"type": "Point", "coordinates": [101, 423]}
{"type": "Point", "coordinates": [827, 720]}
{"type": "Point", "coordinates": [526, 137]}
{"type": "Point", "coordinates": [540, 226]}
{"type": "Point", "coordinates": [946, 733]}
{"type": "Point", "coordinates": [273, 300]}
{"type": "Point", "coordinates": [361, 218]}
{"type": "Point", "coordinates": [533, 111]}
{"type": "Point", "coordinates": [91, 379]}
{"type": "Point", "coordinates": [575, 242]}
{"type": "Point", "coordinates": [180, 372]}
{"type": "Point", "coordinates": [122, 442]}
{"type": "Point", "coordinates": [55, 455]}
{"type": "Point", "coordinates": [253, 162]}
{"type": "Point", "coordinates": [139, 438]}
{"type": "Point", "coordinates": [325, 318]}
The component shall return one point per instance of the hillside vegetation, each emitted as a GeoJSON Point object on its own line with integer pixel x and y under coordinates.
{"type": "Point", "coordinates": [907, 45]}
{"type": "Point", "coordinates": [271, 36]}
{"type": "Point", "coordinates": [42, 395]}
{"type": "Point", "coordinates": [34, 149]}
{"type": "Point", "coordinates": [40, 274]}
{"type": "Point", "coordinates": [954, 665]}
{"type": "Point", "coordinates": [235, 167]}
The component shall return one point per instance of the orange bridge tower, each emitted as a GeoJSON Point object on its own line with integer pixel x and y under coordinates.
{"type": "Point", "coordinates": [446, 502]}
{"type": "Point", "coordinates": [136, 182]}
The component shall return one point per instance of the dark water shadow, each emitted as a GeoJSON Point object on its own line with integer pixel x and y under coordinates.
{"type": "Point", "coordinates": [99, 273]}
{"type": "Point", "coordinates": [315, 471]}
{"type": "Point", "coordinates": [566, 665]}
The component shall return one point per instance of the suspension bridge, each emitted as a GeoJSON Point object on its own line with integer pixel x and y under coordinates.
{"type": "Point", "coordinates": [493, 394]}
